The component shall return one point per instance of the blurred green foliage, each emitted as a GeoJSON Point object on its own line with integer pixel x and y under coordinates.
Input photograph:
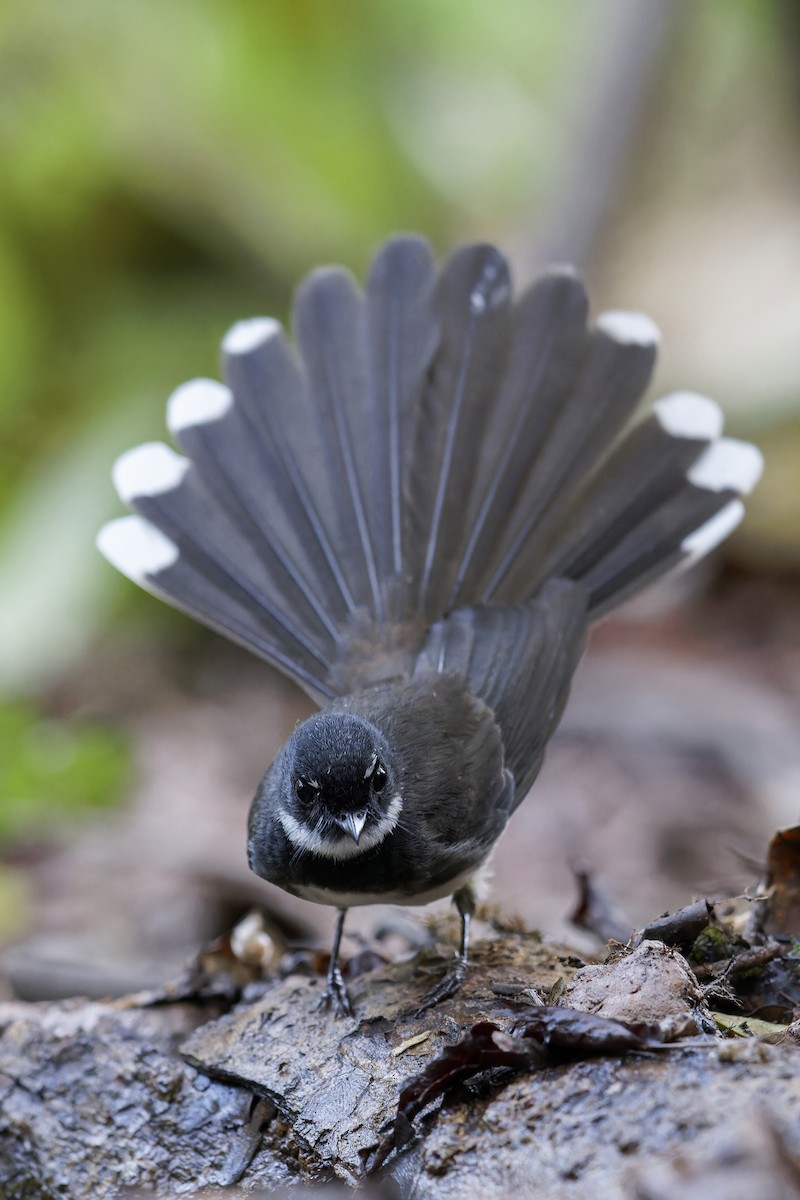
{"type": "Point", "coordinates": [169, 168]}
{"type": "Point", "coordinates": [166, 165]}
{"type": "Point", "coordinates": [54, 771]}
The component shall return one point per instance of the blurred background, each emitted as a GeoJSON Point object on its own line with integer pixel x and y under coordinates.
{"type": "Point", "coordinates": [169, 168]}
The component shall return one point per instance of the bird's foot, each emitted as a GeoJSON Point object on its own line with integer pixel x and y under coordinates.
{"type": "Point", "coordinates": [445, 988]}
{"type": "Point", "coordinates": [335, 998]}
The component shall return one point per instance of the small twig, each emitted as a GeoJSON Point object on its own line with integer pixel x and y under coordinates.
{"type": "Point", "coordinates": [244, 1149]}
{"type": "Point", "coordinates": [746, 961]}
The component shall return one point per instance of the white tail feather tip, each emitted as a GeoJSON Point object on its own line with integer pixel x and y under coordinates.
{"type": "Point", "coordinates": [246, 336]}
{"type": "Point", "coordinates": [148, 470]}
{"type": "Point", "coordinates": [728, 463]}
{"type": "Point", "coordinates": [689, 415]}
{"type": "Point", "coordinates": [705, 539]}
{"type": "Point", "coordinates": [630, 328]}
{"type": "Point", "coordinates": [197, 403]}
{"type": "Point", "coordinates": [136, 548]}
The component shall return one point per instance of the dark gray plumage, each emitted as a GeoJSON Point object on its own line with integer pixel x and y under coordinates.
{"type": "Point", "coordinates": [416, 515]}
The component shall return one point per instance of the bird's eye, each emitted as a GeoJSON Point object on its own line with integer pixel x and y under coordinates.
{"type": "Point", "coordinates": [378, 777]}
{"type": "Point", "coordinates": [305, 788]}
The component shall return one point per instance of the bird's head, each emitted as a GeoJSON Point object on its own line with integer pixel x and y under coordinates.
{"type": "Point", "coordinates": [337, 793]}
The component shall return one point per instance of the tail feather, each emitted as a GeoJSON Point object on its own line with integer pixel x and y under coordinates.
{"type": "Point", "coordinates": [669, 477]}
{"type": "Point", "coordinates": [138, 549]}
{"type": "Point", "coordinates": [167, 491]}
{"type": "Point", "coordinates": [644, 470]}
{"type": "Point", "coordinates": [285, 460]}
{"type": "Point", "coordinates": [330, 327]}
{"type": "Point", "coordinates": [660, 543]}
{"type": "Point", "coordinates": [615, 372]}
{"type": "Point", "coordinates": [402, 337]}
{"type": "Point", "coordinates": [232, 465]}
{"type": "Point", "coordinates": [472, 303]}
{"type": "Point", "coordinates": [548, 343]}
{"type": "Point", "coordinates": [430, 449]}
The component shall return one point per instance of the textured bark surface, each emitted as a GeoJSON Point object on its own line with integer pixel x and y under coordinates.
{"type": "Point", "coordinates": [99, 1097]}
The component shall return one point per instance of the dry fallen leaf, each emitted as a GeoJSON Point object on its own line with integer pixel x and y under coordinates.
{"type": "Point", "coordinates": [782, 916]}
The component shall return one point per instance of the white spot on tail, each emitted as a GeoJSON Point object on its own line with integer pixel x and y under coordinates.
{"type": "Point", "coordinates": [197, 402]}
{"type": "Point", "coordinates": [246, 336]}
{"type": "Point", "coordinates": [708, 536]}
{"type": "Point", "coordinates": [136, 548]}
{"type": "Point", "coordinates": [148, 470]}
{"type": "Point", "coordinates": [630, 328]}
{"type": "Point", "coordinates": [689, 415]}
{"type": "Point", "coordinates": [728, 463]}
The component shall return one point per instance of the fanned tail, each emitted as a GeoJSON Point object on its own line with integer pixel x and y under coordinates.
{"type": "Point", "coordinates": [430, 447]}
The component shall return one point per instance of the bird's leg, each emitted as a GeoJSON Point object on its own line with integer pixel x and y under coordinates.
{"type": "Point", "coordinates": [335, 995]}
{"type": "Point", "coordinates": [464, 901]}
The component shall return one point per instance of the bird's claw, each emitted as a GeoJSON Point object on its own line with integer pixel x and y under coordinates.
{"type": "Point", "coordinates": [445, 988]}
{"type": "Point", "coordinates": [335, 998]}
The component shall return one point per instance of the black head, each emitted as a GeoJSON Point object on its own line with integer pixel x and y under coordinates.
{"type": "Point", "coordinates": [338, 794]}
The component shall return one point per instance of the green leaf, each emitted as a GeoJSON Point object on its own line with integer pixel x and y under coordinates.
{"type": "Point", "coordinates": [745, 1027]}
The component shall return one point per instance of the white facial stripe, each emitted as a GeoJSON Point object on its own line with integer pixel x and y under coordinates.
{"type": "Point", "coordinates": [312, 842]}
{"type": "Point", "coordinates": [301, 837]}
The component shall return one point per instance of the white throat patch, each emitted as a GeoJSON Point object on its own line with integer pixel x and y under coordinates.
{"type": "Point", "coordinates": [310, 841]}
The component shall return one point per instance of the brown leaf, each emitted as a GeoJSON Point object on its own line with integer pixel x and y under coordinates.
{"type": "Point", "coordinates": [783, 881]}
{"type": "Point", "coordinates": [541, 1037]}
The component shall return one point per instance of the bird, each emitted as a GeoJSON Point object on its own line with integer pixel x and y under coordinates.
{"type": "Point", "coordinates": [415, 507]}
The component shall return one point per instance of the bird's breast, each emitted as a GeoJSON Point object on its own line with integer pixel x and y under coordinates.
{"type": "Point", "coordinates": [355, 899]}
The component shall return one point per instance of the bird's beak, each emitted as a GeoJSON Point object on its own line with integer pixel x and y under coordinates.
{"type": "Point", "coordinates": [353, 824]}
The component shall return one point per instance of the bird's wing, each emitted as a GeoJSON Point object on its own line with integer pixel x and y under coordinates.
{"type": "Point", "coordinates": [518, 660]}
